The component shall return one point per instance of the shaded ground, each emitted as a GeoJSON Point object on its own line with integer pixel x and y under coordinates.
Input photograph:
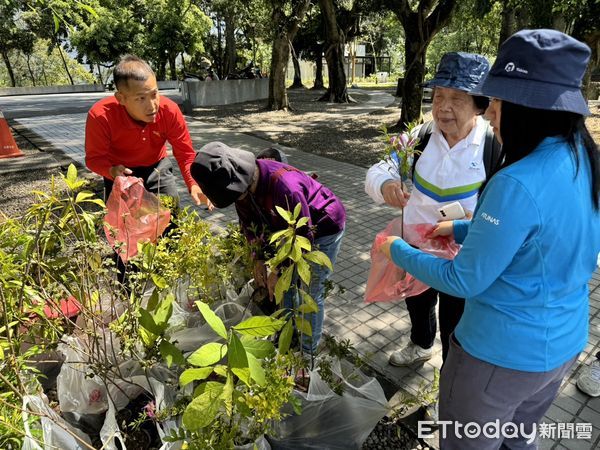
{"type": "Point", "coordinates": [313, 127]}
{"type": "Point", "coordinates": [310, 126]}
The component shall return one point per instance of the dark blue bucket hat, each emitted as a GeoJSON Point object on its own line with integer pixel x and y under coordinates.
{"type": "Point", "coordinates": [540, 69]}
{"type": "Point", "coordinates": [458, 70]}
{"type": "Point", "coordinates": [223, 173]}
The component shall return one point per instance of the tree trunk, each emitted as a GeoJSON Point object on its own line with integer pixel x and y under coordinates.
{"type": "Point", "coordinates": [280, 55]}
{"type": "Point", "coordinates": [99, 74]}
{"type": "Point", "coordinates": [419, 30]}
{"type": "Point", "coordinates": [29, 69]}
{"type": "Point", "coordinates": [297, 84]}
{"type": "Point", "coordinates": [334, 54]}
{"type": "Point", "coordinates": [319, 72]}
{"type": "Point", "coordinates": [64, 61]}
{"type": "Point", "coordinates": [286, 29]}
{"type": "Point", "coordinates": [412, 93]}
{"type": "Point", "coordinates": [161, 70]}
{"type": "Point", "coordinates": [172, 67]}
{"type": "Point", "coordinates": [220, 67]}
{"type": "Point", "coordinates": [9, 69]}
{"type": "Point", "coordinates": [230, 54]}
{"type": "Point", "coordinates": [508, 22]}
{"type": "Point", "coordinates": [44, 75]}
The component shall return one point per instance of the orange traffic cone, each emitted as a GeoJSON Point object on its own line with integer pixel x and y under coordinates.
{"type": "Point", "coordinates": [8, 146]}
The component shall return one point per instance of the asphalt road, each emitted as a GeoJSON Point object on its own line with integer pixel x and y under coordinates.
{"type": "Point", "coordinates": [19, 106]}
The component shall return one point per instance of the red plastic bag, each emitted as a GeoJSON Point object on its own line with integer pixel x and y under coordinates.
{"type": "Point", "coordinates": [134, 215]}
{"type": "Point", "coordinates": [388, 282]}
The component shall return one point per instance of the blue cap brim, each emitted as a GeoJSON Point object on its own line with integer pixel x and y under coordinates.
{"type": "Point", "coordinates": [533, 94]}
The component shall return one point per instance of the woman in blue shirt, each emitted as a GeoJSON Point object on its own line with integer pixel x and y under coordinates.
{"type": "Point", "coordinates": [527, 254]}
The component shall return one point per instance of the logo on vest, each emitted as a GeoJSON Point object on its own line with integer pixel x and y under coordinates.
{"type": "Point", "coordinates": [490, 219]}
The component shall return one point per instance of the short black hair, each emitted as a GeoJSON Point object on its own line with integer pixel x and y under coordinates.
{"type": "Point", "coordinates": [131, 67]}
{"type": "Point", "coordinates": [481, 102]}
{"type": "Point", "coordinates": [272, 153]}
{"type": "Point", "coordinates": [523, 129]}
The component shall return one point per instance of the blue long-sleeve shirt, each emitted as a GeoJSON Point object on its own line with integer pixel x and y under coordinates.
{"type": "Point", "coordinates": [526, 259]}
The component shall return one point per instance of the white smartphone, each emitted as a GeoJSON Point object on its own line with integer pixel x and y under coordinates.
{"type": "Point", "coordinates": [451, 211]}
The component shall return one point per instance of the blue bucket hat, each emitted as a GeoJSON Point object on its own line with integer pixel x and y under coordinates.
{"type": "Point", "coordinates": [540, 69]}
{"type": "Point", "coordinates": [458, 70]}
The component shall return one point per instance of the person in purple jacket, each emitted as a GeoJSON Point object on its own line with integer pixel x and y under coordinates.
{"type": "Point", "coordinates": [229, 175]}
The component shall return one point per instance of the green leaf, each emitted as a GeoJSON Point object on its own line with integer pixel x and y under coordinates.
{"type": "Point", "coordinates": [171, 354]}
{"type": "Point", "coordinates": [243, 374]}
{"type": "Point", "coordinates": [148, 338]}
{"type": "Point", "coordinates": [319, 258]}
{"type": "Point", "coordinates": [208, 354]}
{"type": "Point", "coordinates": [163, 311]}
{"type": "Point", "coordinates": [227, 395]}
{"type": "Point", "coordinates": [212, 319]}
{"type": "Point", "coordinates": [304, 271]}
{"type": "Point", "coordinates": [72, 173]}
{"type": "Point", "coordinates": [190, 375]}
{"type": "Point", "coordinates": [159, 281]}
{"type": "Point", "coordinates": [297, 210]}
{"type": "Point", "coordinates": [303, 326]}
{"type": "Point", "coordinates": [82, 196]}
{"type": "Point", "coordinates": [285, 338]}
{"type": "Point", "coordinates": [153, 300]}
{"type": "Point", "coordinates": [256, 370]}
{"type": "Point", "coordinates": [89, 9]}
{"type": "Point", "coordinates": [304, 243]}
{"type": "Point", "coordinates": [147, 322]}
{"type": "Point", "coordinates": [262, 326]}
{"type": "Point", "coordinates": [308, 303]}
{"type": "Point", "coordinates": [237, 353]}
{"type": "Point", "coordinates": [56, 27]}
{"type": "Point", "coordinates": [98, 202]}
{"type": "Point", "coordinates": [203, 409]}
{"type": "Point", "coordinates": [301, 222]}
{"type": "Point", "coordinates": [221, 370]}
{"type": "Point", "coordinates": [281, 254]}
{"type": "Point", "coordinates": [287, 216]}
{"type": "Point", "coordinates": [296, 252]}
{"type": "Point", "coordinates": [257, 347]}
{"type": "Point", "coordinates": [283, 283]}
{"type": "Point", "coordinates": [278, 234]}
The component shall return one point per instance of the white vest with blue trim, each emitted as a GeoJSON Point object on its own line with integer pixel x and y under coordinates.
{"type": "Point", "coordinates": [444, 175]}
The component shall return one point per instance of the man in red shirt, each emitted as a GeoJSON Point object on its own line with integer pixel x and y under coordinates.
{"type": "Point", "coordinates": [126, 134]}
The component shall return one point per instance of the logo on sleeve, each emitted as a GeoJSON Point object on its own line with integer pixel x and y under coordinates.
{"type": "Point", "coordinates": [490, 219]}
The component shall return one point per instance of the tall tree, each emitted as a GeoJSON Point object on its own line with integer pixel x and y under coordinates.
{"type": "Point", "coordinates": [173, 28]}
{"type": "Point", "coordinates": [12, 36]}
{"type": "Point", "coordinates": [116, 30]}
{"type": "Point", "coordinates": [335, 41]}
{"type": "Point", "coordinates": [54, 20]}
{"type": "Point", "coordinates": [286, 18]}
{"type": "Point", "coordinates": [296, 55]}
{"type": "Point", "coordinates": [420, 26]}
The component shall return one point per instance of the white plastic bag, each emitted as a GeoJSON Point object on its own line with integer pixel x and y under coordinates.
{"type": "Point", "coordinates": [259, 444]}
{"type": "Point", "coordinates": [56, 433]}
{"type": "Point", "coordinates": [110, 433]}
{"type": "Point", "coordinates": [331, 421]}
{"type": "Point", "coordinates": [77, 392]}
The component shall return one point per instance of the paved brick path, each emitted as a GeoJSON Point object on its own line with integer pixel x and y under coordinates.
{"type": "Point", "coordinates": [376, 329]}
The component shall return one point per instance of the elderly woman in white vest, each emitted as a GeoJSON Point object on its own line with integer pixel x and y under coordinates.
{"type": "Point", "coordinates": [450, 168]}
